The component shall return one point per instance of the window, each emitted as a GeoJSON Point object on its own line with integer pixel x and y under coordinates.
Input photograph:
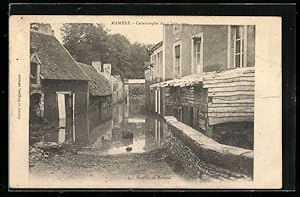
{"type": "Point", "coordinates": [157, 67]}
{"type": "Point", "coordinates": [239, 46]}
{"type": "Point", "coordinates": [197, 53]}
{"type": "Point", "coordinates": [151, 73]}
{"type": "Point", "coordinates": [177, 61]}
{"type": "Point", "coordinates": [33, 73]}
{"type": "Point", "coordinates": [160, 58]}
{"type": "Point", "coordinates": [198, 44]}
{"type": "Point", "coordinates": [152, 59]}
{"type": "Point", "coordinates": [177, 28]}
{"type": "Point", "coordinates": [36, 104]}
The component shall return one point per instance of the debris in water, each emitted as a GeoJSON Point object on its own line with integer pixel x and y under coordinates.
{"type": "Point", "coordinates": [128, 149]}
{"type": "Point", "coordinates": [48, 147]}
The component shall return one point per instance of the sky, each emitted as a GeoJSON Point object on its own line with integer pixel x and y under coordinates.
{"type": "Point", "coordinates": [145, 34]}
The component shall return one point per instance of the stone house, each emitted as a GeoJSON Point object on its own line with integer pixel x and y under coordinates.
{"type": "Point", "coordinates": [100, 93]}
{"type": "Point", "coordinates": [204, 76]}
{"type": "Point", "coordinates": [117, 85]}
{"type": "Point", "coordinates": [59, 92]}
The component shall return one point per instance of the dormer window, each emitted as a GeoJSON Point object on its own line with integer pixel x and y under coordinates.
{"type": "Point", "coordinates": [34, 73]}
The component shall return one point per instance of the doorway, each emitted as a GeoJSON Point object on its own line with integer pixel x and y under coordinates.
{"type": "Point", "coordinates": [66, 116]}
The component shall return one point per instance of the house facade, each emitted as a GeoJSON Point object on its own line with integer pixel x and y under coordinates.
{"type": "Point", "coordinates": [205, 78]}
{"type": "Point", "coordinates": [193, 49]}
{"type": "Point", "coordinates": [59, 92]}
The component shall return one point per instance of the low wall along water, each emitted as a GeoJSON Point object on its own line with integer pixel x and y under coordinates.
{"type": "Point", "coordinates": [202, 156]}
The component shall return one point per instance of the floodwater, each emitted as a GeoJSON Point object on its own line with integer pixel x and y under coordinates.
{"type": "Point", "coordinates": [125, 128]}
{"type": "Point", "coordinates": [125, 143]}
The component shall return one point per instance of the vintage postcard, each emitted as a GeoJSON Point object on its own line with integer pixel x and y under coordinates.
{"type": "Point", "coordinates": [166, 102]}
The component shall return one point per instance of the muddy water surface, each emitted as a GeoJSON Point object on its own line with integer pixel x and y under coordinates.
{"type": "Point", "coordinates": [125, 143]}
{"type": "Point", "coordinates": [126, 129]}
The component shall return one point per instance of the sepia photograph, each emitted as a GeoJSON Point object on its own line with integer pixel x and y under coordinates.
{"type": "Point", "coordinates": [132, 102]}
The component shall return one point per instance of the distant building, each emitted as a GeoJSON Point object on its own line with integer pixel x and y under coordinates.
{"type": "Point", "coordinates": [134, 88]}
{"type": "Point", "coordinates": [204, 76]}
{"type": "Point", "coordinates": [99, 89]}
{"type": "Point", "coordinates": [156, 60]}
{"type": "Point", "coordinates": [58, 87]}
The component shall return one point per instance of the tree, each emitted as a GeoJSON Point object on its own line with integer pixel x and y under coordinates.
{"type": "Point", "coordinates": [88, 42]}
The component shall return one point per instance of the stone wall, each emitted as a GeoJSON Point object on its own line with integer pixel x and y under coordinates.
{"type": "Point", "coordinates": [202, 156]}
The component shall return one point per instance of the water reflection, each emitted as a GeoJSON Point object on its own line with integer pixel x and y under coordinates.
{"type": "Point", "coordinates": [125, 128]}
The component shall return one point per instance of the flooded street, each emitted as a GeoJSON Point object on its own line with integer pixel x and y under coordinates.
{"type": "Point", "coordinates": [125, 128]}
{"type": "Point", "coordinates": [101, 106]}
{"type": "Point", "coordinates": [125, 143]}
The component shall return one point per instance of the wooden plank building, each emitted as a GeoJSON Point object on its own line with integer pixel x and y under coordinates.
{"type": "Point", "coordinates": [206, 79]}
{"type": "Point", "coordinates": [220, 101]}
{"type": "Point", "coordinates": [230, 95]}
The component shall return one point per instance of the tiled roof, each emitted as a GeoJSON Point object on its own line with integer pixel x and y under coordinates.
{"type": "Point", "coordinates": [99, 85]}
{"type": "Point", "coordinates": [56, 62]}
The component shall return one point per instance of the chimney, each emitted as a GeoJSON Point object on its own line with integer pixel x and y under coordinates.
{"type": "Point", "coordinates": [43, 28]}
{"type": "Point", "coordinates": [107, 68]}
{"type": "Point", "coordinates": [97, 66]}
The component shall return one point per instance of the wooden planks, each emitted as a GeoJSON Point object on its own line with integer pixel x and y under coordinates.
{"type": "Point", "coordinates": [227, 74]}
{"type": "Point", "coordinates": [218, 120]}
{"type": "Point", "coordinates": [231, 109]}
{"type": "Point", "coordinates": [229, 114]}
{"type": "Point", "coordinates": [228, 84]}
{"type": "Point", "coordinates": [220, 105]}
{"type": "Point", "coordinates": [233, 79]}
{"type": "Point", "coordinates": [231, 95]}
{"type": "Point", "coordinates": [244, 101]}
{"type": "Point", "coordinates": [231, 89]}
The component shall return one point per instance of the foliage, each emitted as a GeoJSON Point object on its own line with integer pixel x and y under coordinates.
{"type": "Point", "coordinates": [91, 42]}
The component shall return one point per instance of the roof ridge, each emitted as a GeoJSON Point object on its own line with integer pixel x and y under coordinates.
{"type": "Point", "coordinates": [35, 31]}
{"type": "Point", "coordinates": [84, 64]}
